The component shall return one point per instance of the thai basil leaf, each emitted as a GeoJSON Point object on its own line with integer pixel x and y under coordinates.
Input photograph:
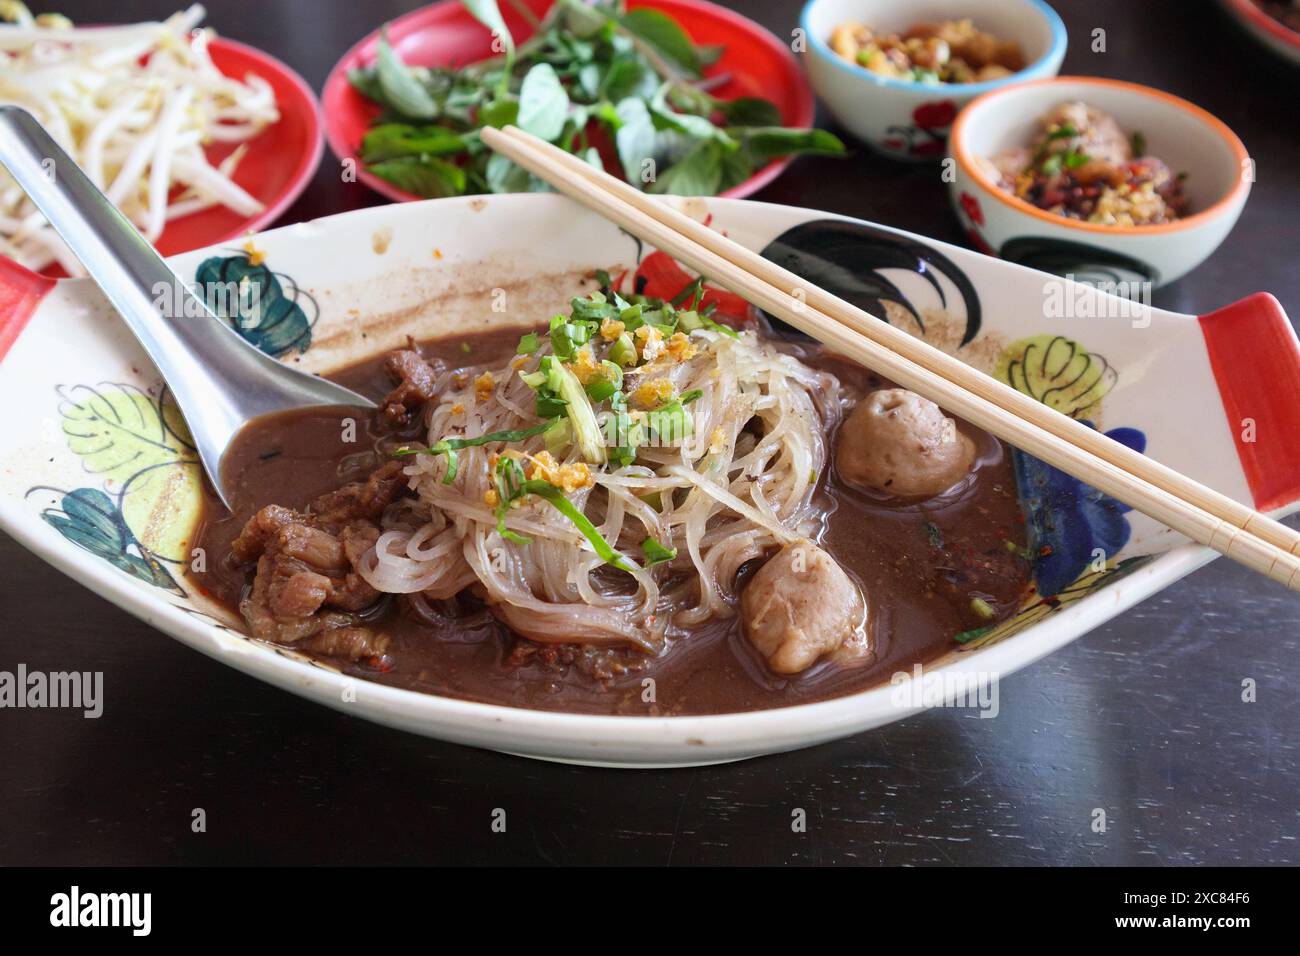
{"type": "Point", "coordinates": [664, 34]}
{"type": "Point", "coordinates": [543, 103]}
{"type": "Point", "coordinates": [402, 90]}
{"type": "Point", "coordinates": [488, 13]}
{"type": "Point", "coordinates": [628, 77]}
{"type": "Point", "coordinates": [422, 175]}
{"type": "Point", "coordinates": [769, 141]}
{"type": "Point", "coordinates": [749, 111]}
{"type": "Point", "coordinates": [499, 113]}
{"type": "Point", "coordinates": [635, 139]}
{"type": "Point", "coordinates": [366, 82]}
{"type": "Point", "coordinates": [699, 173]}
{"type": "Point", "coordinates": [391, 140]}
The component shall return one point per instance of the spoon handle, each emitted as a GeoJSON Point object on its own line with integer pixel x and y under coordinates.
{"type": "Point", "coordinates": [219, 380]}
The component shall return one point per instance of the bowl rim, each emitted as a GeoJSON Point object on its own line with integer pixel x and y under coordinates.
{"type": "Point", "coordinates": [1221, 206]}
{"type": "Point", "coordinates": [1248, 11]}
{"type": "Point", "coordinates": [336, 84]}
{"type": "Point", "coordinates": [1044, 64]}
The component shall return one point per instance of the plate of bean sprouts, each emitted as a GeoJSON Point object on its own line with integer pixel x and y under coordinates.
{"type": "Point", "coordinates": [196, 138]}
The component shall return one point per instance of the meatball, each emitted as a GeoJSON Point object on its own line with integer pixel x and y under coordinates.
{"type": "Point", "coordinates": [801, 606]}
{"type": "Point", "coordinates": [897, 442]}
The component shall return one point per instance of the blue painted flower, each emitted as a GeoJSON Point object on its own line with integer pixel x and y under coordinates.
{"type": "Point", "coordinates": [1069, 520]}
{"type": "Point", "coordinates": [266, 311]}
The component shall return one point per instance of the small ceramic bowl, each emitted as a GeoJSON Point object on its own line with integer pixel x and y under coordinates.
{"type": "Point", "coordinates": [908, 120]}
{"type": "Point", "coordinates": [1186, 137]}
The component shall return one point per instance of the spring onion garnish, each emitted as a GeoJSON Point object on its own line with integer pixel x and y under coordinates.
{"type": "Point", "coordinates": [511, 486]}
{"type": "Point", "coordinates": [656, 553]}
{"type": "Point", "coordinates": [559, 392]}
{"type": "Point", "coordinates": [449, 446]}
{"type": "Point", "coordinates": [528, 344]}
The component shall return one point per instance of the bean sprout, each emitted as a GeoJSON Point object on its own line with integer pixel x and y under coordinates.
{"type": "Point", "coordinates": [135, 106]}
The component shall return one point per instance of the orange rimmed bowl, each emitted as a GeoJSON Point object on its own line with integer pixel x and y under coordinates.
{"type": "Point", "coordinates": [1190, 140]}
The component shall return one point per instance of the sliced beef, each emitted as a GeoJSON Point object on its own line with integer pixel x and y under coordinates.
{"type": "Point", "coordinates": [416, 381]}
{"type": "Point", "coordinates": [359, 500]}
{"type": "Point", "coordinates": [306, 590]}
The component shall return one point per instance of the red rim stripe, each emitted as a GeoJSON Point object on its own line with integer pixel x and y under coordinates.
{"type": "Point", "coordinates": [21, 291]}
{"type": "Point", "coordinates": [1255, 356]}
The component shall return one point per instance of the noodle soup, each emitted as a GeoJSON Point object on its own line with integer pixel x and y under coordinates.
{"type": "Point", "coordinates": [719, 551]}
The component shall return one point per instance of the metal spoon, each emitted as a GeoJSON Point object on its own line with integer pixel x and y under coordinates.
{"type": "Point", "coordinates": [220, 381]}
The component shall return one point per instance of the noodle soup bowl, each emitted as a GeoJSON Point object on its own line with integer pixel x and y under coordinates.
{"type": "Point", "coordinates": [99, 479]}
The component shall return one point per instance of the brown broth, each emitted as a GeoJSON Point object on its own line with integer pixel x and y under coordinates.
{"type": "Point", "coordinates": [900, 555]}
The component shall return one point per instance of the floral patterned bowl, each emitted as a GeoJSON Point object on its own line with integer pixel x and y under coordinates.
{"type": "Point", "coordinates": [1186, 137]}
{"type": "Point", "coordinates": [98, 475]}
{"type": "Point", "coordinates": [906, 120]}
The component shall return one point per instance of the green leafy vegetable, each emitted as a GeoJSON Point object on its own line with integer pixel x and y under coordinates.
{"type": "Point", "coordinates": [664, 34]}
{"type": "Point", "coordinates": [543, 104]}
{"type": "Point", "coordinates": [393, 140]}
{"type": "Point", "coordinates": [588, 69]}
{"type": "Point", "coordinates": [422, 175]}
{"type": "Point", "coordinates": [402, 90]}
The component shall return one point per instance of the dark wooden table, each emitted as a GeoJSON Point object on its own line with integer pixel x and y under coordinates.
{"type": "Point", "coordinates": [1143, 717]}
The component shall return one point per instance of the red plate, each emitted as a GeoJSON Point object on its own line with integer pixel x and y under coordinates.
{"type": "Point", "coordinates": [278, 163]}
{"type": "Point", "coordinates": [444, 34]}
{"type": "Point", "coordinates": [276, 167]}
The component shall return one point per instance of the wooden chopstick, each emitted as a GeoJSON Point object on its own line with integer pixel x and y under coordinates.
{"type": "Point", "coordinates": [600, 192]}
{"type": "Point", "coordinates": [934, 360]}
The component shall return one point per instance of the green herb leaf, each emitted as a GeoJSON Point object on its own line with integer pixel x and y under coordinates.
{"type": "Point", "coordinates": [771, 141]}
{"type": "Point", "coordinates": [543, 103]}
{"type": "Point", "coordinates": [402, 90]}
{"type": "Point", "coordinates": [635, 139]}
{"type": "Point", "coordinates": [667, 37]}
{"type": "Point", "coordinates": [499, 113]}
{"type": "Point", "coordinates": [422, 175]}
{"type": "Point", "coordinates": [488, 13]}
{"type": "Point", "coordinates": [749, 111]}
{"type": "Point", "coordinates": [698, 173]}
{"type": "Point", "coordinates": [392, 140]}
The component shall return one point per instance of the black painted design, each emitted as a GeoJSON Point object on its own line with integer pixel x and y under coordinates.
{"type": "Point", "coordinates": [1081, 261]}
{"type": "Point", "coordinates": [847, 259]}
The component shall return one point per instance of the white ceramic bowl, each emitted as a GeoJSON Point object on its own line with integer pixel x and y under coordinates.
{"type": "Point", "coordinates": [1186, 137]}
{"type": "Point", "coordinates": [910, 121]}
{"type": "Point", "coordinates": [96, 476]}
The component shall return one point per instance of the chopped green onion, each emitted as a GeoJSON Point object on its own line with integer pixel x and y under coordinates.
{"type": "Point", "coordinates": [983, 609]}
{"type": "Point", "coordinates": [656, 553]}
{"type": "Point", "coordinates": [449, 446]}
{"type": "Point", "coordinates": [528, 344]}
{"type": "Point", "coordinates": [623, 352]}
{"type": "Point", "coordinates": [544, 489]}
